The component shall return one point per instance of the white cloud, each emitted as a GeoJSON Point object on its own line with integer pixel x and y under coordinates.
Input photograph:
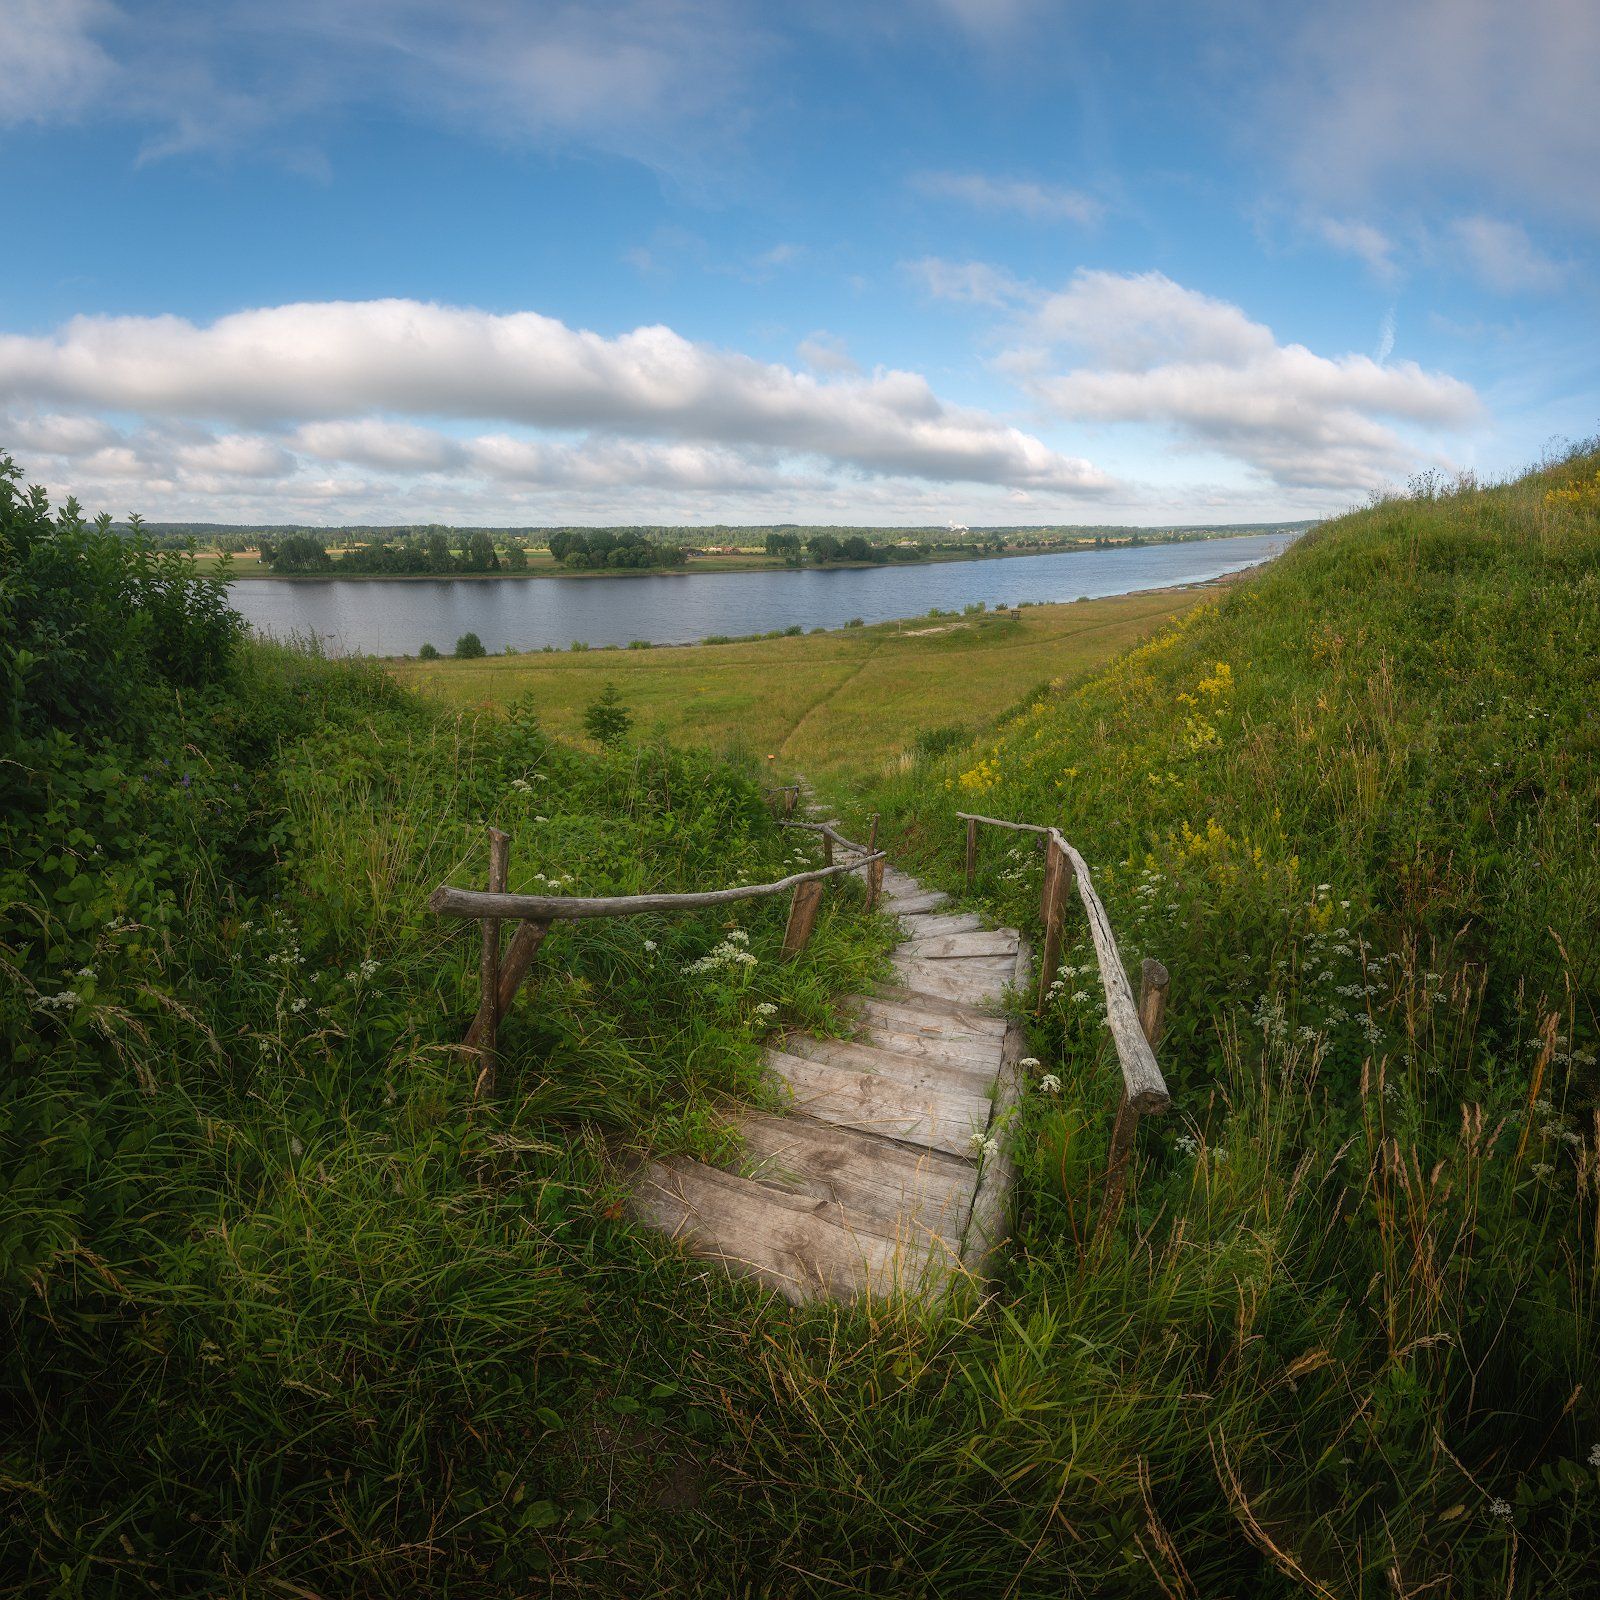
{"type": "Point", "coordinates": [1037, 201]}
{"type": "Point", "coordinates": [1382, 93]}
{"type": "Point", "coordinates": [648, 78]}
{"type": "Point", "coordinates": [1362, 240]}
{"type": "Point", "coordinates": [374, 442]}
{"type": "Point", "coordinates": [973, 282]}
{"type": "Point", "coordinates": [826, 352]}
{"type": "Point", "coordinates": [234, 455]}
{"type": "Point", "coordinates": [53, 65]}
{"type": "Point", "coordinates": [343, 360]}
{"type": "Point", "coordinates": [1503, 257]}
{"type": "Point", "coordinates": [1158, 353]}
{"type": "Point", "coordinates": [1385, 338]}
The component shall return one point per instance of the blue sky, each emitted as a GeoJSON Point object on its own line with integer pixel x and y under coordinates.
{"type": "Point", "coordinates": [697, 260]}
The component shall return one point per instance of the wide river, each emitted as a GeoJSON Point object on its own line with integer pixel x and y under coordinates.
{"type": "Point", "coordinates": [395, 617]}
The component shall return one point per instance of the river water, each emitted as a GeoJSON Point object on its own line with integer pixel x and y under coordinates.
{"type": "Point", "coordinates": [355, 616]}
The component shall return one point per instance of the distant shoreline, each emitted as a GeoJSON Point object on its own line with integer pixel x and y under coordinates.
{"type": "Point", "coordinates": [709, 568]}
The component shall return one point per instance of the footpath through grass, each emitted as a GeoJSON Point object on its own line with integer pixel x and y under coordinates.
{"type": "Point", "coordinates": [829, 705]}
{"type": "Point", "coordinates": [289, 1312]}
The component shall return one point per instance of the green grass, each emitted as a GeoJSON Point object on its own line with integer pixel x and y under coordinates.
{"type": "Point", "coordinates": [291, 1312]}
{"type": "Point", "coordinates": [841, 704]}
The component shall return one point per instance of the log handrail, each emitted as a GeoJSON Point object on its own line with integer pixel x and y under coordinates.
{"type": "Point", "coordinates": [1143, 1083]}
{"type": "Point", "coordinates": [828, 832]}
{"type": "Point", "coordinates": [447, 901]}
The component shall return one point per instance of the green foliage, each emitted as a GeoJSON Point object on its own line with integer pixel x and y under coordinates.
{"type": "Point", "coordinates": [608, 720]}
{"type": "Point", "coordinates": [469, 647]}
{"type": "Point", "coordinates": [299, 552]}
{"type": "Point", "coordinates": [602, 548]}
{"type": "Point", "coordinates": [428, 652]}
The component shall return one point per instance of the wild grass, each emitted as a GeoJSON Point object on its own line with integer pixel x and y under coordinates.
{"type": "Point", "coordinates": [839, 704]}
{"type": "Point", "coordinates": [291, 1312]}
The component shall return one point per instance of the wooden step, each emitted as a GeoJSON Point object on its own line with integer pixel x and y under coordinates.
{"type": "Point", "coordinates": [923, 924]}
{"type": "Point", "coordinates": [948, 946]}
{"type": "Point", "coordinates": [967, 1051]}
{"type": "Point", "coordinates": [887, 1188]}
{"type": "Point", "coordinates": [914, 1071]}
{"type": "Point", "coordinates": [935, 1119]}
{"type": "Point", "coordinates": [932, 1014]}
{"type": "Point", "coordinates": [790, 1243]}
{"type": "Point", "coordinates": [970, 978]}
{"type": "Point", "coordinates": [930, 901]}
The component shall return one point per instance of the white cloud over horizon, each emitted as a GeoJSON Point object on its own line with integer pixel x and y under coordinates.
{"type": "Point", "coordinates": [1039, 202]}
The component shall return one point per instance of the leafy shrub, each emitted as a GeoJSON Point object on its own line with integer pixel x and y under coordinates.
{"type": "Point", "coordinates": [469, 647]}
{"type": "Point", "coordinates": [428, 652]}
{"type": "Point", "coordinates": [607, 719]}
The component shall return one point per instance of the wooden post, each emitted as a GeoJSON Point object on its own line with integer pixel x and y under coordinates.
{"type": "Point", "coordinates": [514, 966]}
{"type": "Point", "coordinates": [1153, 982]}
{"type": "Point", "coordinates": [790, 795]}
{"type": "Point", "coordinates": [972, 850]}
{"type": "Point", "coordinates": [875, 869]}
{"type": "Point", "coordinates": [827, 849]}
{"type": "Point", "coordinates": [486, 1025]}
{"type": "Point", "coordinates": [802, 917]}
{"type": "Point", "coordinates": [1052, 913]}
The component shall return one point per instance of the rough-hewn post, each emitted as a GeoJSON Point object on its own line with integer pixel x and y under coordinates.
{"type": "Point", "coordinates": [972, 850]}
{"type": "Point", "coordinates": [827, 849]}
{"type": "Point", "coordinates": [802, 917]}
{"type": "Point", "coordinates": [486, 1025]}
{"type": "Point", "coordinates": [875, 868]}
{"type": "Point", "coordinates": [790, 795]}
{"type": "Point", "coordinates": [514, 966]}
{"type": "Point", "coordinates": [1052, 913]}
{"type": "Point", "coordinates": [1153, 982]}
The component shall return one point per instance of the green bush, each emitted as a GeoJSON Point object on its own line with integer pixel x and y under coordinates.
{"type": "Point", "coordinates": [607, 720]}
{"type": "Point", "coordinates": [428, 652]}
{"type": "Point", "coordinates": [469, 647]}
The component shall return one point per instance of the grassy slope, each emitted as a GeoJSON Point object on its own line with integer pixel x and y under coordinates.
{"type": "Point", "coordinates": [826, 704]}
{"type": "Point", "coordinates": [294, 1315]}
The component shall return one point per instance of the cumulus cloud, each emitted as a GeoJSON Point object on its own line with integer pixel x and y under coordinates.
{"type": "Point", "coordinates": [826, 352]}
{"type": "Point", "coordinates": [1502, 257]}
{"type": "Point", "coordinates": [341, 360]}
{"type": "Point", "coordinates": [1037, 201]}
{"type": "Point", "coordinates": [1153, 351]}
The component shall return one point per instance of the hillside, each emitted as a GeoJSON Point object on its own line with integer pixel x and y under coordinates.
{"type": "Point", "coordinates": [839, 703]}
{"type": "Point", "coordinates": [291, 1310]}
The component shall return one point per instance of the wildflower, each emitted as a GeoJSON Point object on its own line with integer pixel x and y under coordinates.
{"type": "Point", "coordinates": [1080, 997]}
{"type": "Point", "coordinates": [766, 1009]}
{"type": "Point", "coordinates": [541, 819]}
{"type": "Point", "coordinates": [522, 786]}
{"type": "Point", "coordinates": [1542, 1169]}
{"type": "Point", "coordinates": [1594, 1455]}
{"type": "Point", "coordinates": [1029, 1063]}
{"type": "Point", "coordinates": [650, 946]}
{"type": "Point", "coordinates": [1050, 1083]}
{"type": "Point", "coordinates": [1500, 1508]}
{"type": "Point", "coordinates": [362, 973]}
{"type": "Point", "coordinates": [84, 972]}
{"type": "Point", "coordinates": [1186, 1144]}
{"type": "Point", "coordinates": [299, 1005]}
{"type": "Point", "coordinates": [66, 1000]}
{"type": "Point", "coordinates": [739, 936]}
{"type": "Point", "coordinates": [295, 1146]}
{"type": "Point", "coordinates": [983, 1145]}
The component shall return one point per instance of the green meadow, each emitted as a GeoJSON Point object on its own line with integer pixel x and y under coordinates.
{"type": "Point", "coordinates": [291, 1310]}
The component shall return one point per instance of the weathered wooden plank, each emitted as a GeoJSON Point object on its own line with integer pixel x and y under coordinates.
{"type": "Point", "coordinates": [970, 1018]}
{"type": "Point", "coordinates": [990, 1219]}
{"type": "Point", "coordinates": [885, 1187]}
{"type": "Point", "coordinates": [967, 979]}
{"type": "Point", "coordinates": [802, 917]}
{"type": "Point", "coordinates": [968, 1052]}
{"type": "Point", "coordinates": [1146, 1088]}
{"type": "Point", "coordinates": [924, 924]}
{"type": "Point", "coordinates": [914, 1071]}
{"type": "Point", "coordinates": [928, 900]}
{"type": "Point", "coordinates": [447, 901]}
{"type": "Point", "coordinates": [782, 1240]}
{"type": "Point", "coordinates": [878, 1105]}
{"type": "Point", "coordinates": [946, 946]}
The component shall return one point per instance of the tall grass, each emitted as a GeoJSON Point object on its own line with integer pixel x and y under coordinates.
{"type": "Point", "coordinates": [291, 1312]}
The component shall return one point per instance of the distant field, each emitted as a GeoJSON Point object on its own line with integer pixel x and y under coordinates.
{"type": "Point", "coordinates": [838, 703]}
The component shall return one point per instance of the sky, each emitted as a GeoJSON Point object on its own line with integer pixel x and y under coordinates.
{"type": "Point", "coordinates": [891, 261]}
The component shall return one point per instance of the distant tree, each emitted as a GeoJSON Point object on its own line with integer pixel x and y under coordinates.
{"type": "Point", "coordinates": [855, 548]}
{"type": "Point", "coordinates": [299, 552]}
{"type": "Point", "coordinates": [607, 720]}
{"type": "Point", "coordinates": [469, 647]}
{"type": "Point", "coordinates": [428, 652]}
{"type": "Point", "coordinates": [786, 545]}
{"type": "Point", "coordinates": [516, 557]}
{"type": "Point", "coordinates": [479, 555]}
{"type": "Point", "coordinates": [823, 547]}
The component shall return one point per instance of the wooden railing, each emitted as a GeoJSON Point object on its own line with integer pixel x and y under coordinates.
{"type": "Point", "coordinates": [1136, 1028]}
{"type": "Point", "coordinates": [501, 972]}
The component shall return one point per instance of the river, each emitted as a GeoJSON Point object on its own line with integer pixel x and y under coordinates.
{"type": "Point", "coordinates": [355, 616]}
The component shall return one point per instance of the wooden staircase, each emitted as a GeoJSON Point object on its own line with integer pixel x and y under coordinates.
{"type": "Point", "coordinates": [876, 1181]}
